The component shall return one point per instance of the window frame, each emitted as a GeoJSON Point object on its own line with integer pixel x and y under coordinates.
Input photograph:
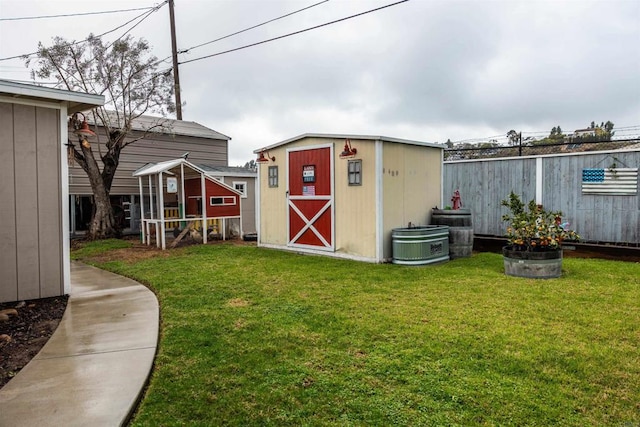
{"type": "Point", "coordinates": [354, 177]}
{"type": "Point", "coordinates": [244, 188]}
{"type": "Point", "coordinates": [272, 178]}
{"type": "Point", "coordinates": [225, 200]}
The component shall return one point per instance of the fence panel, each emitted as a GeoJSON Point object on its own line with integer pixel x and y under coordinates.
{"type": "Point", "coordinates": [483, 183]}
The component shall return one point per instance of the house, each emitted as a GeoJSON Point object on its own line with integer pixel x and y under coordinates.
{"type": "Point", "coordinates": [172, 139]}
{"type": "Point", "coordinates": [579, 133]}
{"type": "Point", "coordinates": [202, 202]}
{"type": "Point", "coordinates": [342, 195]}
{"type": "Point", "coordinates": [34, 238]}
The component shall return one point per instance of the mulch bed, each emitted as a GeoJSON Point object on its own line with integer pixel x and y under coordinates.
{"type": "Point", "coordinates": [29, 326]}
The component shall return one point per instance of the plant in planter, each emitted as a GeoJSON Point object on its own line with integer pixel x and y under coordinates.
{"type": "Point", "coordinates": [534, 238]}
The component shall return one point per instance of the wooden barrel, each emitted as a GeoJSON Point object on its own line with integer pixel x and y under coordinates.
{"type": "Point", "coordinates": [452, 218]}
{"type": "Point", "coordinates": [460, 230]}
{"type": "Point", "coordinates": [420, 245]}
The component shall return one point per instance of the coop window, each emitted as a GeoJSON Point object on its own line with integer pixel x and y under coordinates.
{"type": "Point", "coordinates": [355, 172]}
{"type": "Point", "coordinates": [241, 186]}
{"type": "Point", "coordinates": [222, 201]}
{"type": "Point", "coordinates": [273, 176]}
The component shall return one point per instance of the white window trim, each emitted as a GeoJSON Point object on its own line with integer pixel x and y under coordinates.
{"type": "Point", "coordinates": [244, 187]}
{"type": "Point", "coordinates": [275, 176]}
{"type": "Point", "coordinates": [357, 173]}
{"type": "Point", "coordinates": [225, 201]}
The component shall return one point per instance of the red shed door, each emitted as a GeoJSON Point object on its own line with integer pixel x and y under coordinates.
{"type": "Point", "coordinates": [310, 197]}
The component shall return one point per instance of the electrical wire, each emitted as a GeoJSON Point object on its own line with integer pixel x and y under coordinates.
{"type": "Point", "coordinates": [155, 9]}
{"type": "Point", "coordinates": [75, 14]}
{"type": "Point", "coordinates": [130, 29]}
{"type": "Point", "coordinates": [253, 27]}
{"type": "Point", "coordinates": [292, 34]}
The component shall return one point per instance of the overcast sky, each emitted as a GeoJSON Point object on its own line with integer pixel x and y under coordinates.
{"type": "Point", "coordinates": [428, 70]}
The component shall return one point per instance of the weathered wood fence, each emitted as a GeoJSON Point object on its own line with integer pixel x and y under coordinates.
{"type": "Point", "coordinates": [555, 181]}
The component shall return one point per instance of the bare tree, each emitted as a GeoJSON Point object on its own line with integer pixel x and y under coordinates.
{"type": "Point", "coordinates": [127, 75]}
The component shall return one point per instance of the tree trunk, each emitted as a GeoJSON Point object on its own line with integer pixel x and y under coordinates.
{"type": "Point", "coordinates": [103, 224]}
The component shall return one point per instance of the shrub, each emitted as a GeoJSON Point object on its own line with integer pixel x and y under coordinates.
{"type": "Point", "coordinates": [532, 228]}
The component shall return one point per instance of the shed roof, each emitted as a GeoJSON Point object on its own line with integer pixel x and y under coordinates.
{"type": "Point", "coordinates": [154, 168]}
{"type": "Point", "coordinates": [350, 136]}
{"type": "Point", "coordinates": [76, 101]}
{"type": "Point", "coordinates": [166, 166]}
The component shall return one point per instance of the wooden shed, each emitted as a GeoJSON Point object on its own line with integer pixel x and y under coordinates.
{"type": "Point", "coordinates": [34, 237]}
{"type": "Point", "coordinates": [202, 202]}
{"type": "Point", "coordinates": [342, 195]}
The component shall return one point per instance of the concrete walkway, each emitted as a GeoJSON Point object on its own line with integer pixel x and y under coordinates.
{"type": "Point", "coordinates": [93, 369]}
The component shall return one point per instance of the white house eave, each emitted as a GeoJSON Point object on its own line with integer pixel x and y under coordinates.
{"type": "Point", "coordinates": [76, 101]}
{"type": "Point", "coordinates": [353, 137]}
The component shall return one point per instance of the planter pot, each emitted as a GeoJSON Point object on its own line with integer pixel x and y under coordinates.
{"type": "Point", "coordinates": [532, 265]}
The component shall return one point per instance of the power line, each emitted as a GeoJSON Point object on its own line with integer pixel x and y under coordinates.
{"type": "Point", "coordinates": [134, 26]}
{"type": "Point", "coordinates": [75, 14]}
{"type": "Point", "coordinates": [292, 34]}
{"type": "Point", "coordinates": [154, 9]}
{"type": "Point", "coordinates": [253, 27]}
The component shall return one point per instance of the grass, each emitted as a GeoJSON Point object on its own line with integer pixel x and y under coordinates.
{"type": "Point", "coordinates": [252, 336]}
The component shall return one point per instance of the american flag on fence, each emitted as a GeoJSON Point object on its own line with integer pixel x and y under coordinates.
{"type": "Point", "coordinates": [613, 181]}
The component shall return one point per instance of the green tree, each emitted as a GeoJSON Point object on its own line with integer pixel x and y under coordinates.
{"type": "Point", "coordinates": [124, 72]}
{"type": "Point", "coordinates": [514, 137]}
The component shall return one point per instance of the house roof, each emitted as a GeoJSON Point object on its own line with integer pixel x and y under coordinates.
{"type": "Point", "coordinates": [228, 171]}
{"type": "Point", "coordinates": [76, 101]}
{"type": "Point", "coordinates": [170, 126]}
{"type": "Point", "coordinates": [178, 127]}
{"type": "Point", "coordinates": [353, 137]}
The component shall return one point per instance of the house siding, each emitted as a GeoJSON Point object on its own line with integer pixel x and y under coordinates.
{"type": "Point", "coordinates": [156, 148]}
{"type": "Point", "coordinates": [31, 213]}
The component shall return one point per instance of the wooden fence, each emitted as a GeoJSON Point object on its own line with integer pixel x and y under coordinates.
{"type": "Point", "coordinates": [611, 215]}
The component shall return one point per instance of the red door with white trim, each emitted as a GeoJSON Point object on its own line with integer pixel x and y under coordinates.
{"type": "Point", "coordinates": [310, 198]}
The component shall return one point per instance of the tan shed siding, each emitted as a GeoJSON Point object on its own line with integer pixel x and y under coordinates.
{"type": "Point", "coordinates": [155, 149]}
{"type": "Point", "coordinates": [355, 205]}
{"type": "Point", "coordinates": [273, 209]}
{"type": "Point", "coordinates": [49, 209]}
{"type": "Point", "coordinates": [273, 201]}
{"type": "Point", "coordinates": [409, 171]}
{"type": "Point", "coordinates": [8, 237]}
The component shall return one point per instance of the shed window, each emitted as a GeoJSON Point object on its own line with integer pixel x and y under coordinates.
{"type": "Point", "coordinates": [222, 201]}
{"type": "Point", "coordinates": [355, 172]}
{"type": "Point", "coordinates": [241, 186]}
{"type": "Point", "coordinates": [273, 176]}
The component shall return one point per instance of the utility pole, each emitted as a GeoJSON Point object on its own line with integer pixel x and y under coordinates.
{"type": "Point", "coordinates": [174, 52]}
{"type": "Point", "coordinates": [520, 144]}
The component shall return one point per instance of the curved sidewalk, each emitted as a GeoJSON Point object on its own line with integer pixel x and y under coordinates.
{"type": "Point", "coordinates": [93, 369]}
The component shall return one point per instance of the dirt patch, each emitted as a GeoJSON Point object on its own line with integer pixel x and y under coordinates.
{"type": "Point", "coordinates": [29, 326]}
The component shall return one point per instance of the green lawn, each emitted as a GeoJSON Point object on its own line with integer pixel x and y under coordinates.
{"type": "Point", "coordinates": [252, 336]}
